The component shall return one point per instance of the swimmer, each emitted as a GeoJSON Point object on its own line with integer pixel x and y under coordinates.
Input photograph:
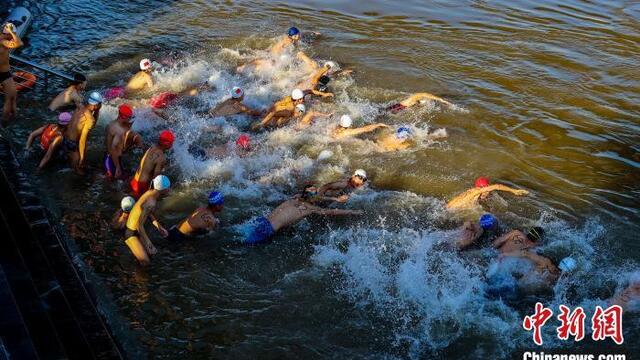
{"type": "Point", "coordinates": [482, 190]}
{"type": "Point", "coordinates": [119, 138]}
{"type": "Point", "coordinates": [136, 236]}
{"type": "Point", "coordinates": [51, 138]}
{"type": "Point", "coordinates": [472, 232]}
{"type": "Point", "coordinates": [413, 100]}
{"type": "Point", "coordinates": [151, 164]}
{"type": "Point", "coordinates": [202, 221]}
{"type": "Point", "coordinates": [77, 132]}
{"type": "Point", "coordinates": [312, 81]}
{"type": "Point", "coordinates": [241, 148]}
{"type": "Point", "coordinates": [400, 140]}
{"type": "Point", "coordinates": [340, 190]}
{"type": "Point", "coordinates": [292, 38]}
{"type": "Point", "coordinates": [344, 129]}
{"type": "Point", "coordinates": [308, 117]}
{"type": "Point", "coordinates": [234, 105]}
{"type": "Point", "coordinates": [71, 98]}
{"type": "Point", "coordinates": [629, 298]}
{"type": "Point", "coordinates": [159, 103]}
{"type": "Point", "coordinates": [289, 213]}
{"type": "Point", "coordinates": [119, 219]}
{"type": "Point", "coordinates": [282, 111]}
{"type": "Point", "coordinates": [516, 240]}
{"type": "Point", "coordinates": [9, 41]}
{"type": "Point", "coordinates": [143, 79]}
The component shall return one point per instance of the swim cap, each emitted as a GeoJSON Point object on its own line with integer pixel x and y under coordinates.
{"type": "Point", "coordinates": [403, 133]}
{"type": "Point", "coordinates": [127, 202]}
{"type": "Point", "coordinates": [345, 121]}
{"type": "Point", "coordinates": [301, 108]}
{"type": "Point", "coordinates": [64, 118]}
{"type": "Point", "coordinates": [161, 182]}
{"type": "Point", "coordinates": [293, 31]}
{"type": "Point", "coordinates": [324, 80]}
{"type": "Point", "coordinates": [237, 93]}
{"type": "Point", "coordinates": [487, 221]}
{"type": "Point", "coordinates": [244, 141]}
{"type": "Point", "coordinates": [325, 155]}
{"type": "Point", "coordinates": [166, 138]}
{"type": "Point", "coordinates": [567, 264]}
{"type": "Point", "coordinates": [125, 111]}
{"type": "Point", "coordinates": [535, 234]}
{"type": "Point", "coordinates": [297, 94]}
{"type": "Point", "coordinates": [329, 64]}
{"type": "Point", "coordinates": [95, 98]}
{"type": "Point", "coordinates": [145, 64]}
{"type": "Point", "coordinates": [216, 198]}
{"type": "Point", "coordinates": [361, 174]}
{"type": "Point", "coordinates": [482, 182]}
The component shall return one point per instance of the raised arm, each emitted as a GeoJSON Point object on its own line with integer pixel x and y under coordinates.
{"type": "Point", "coordinates": [500, 187]}
{"type": "Point", "coordinates": [497, 243]}
{"type": "Point", "coordinates": [307, 60]}
{"type": "Point", "coordinates": [15, 41]}
{"type": "Point", "coordinates": [49, 154]}
{"type": "Point", "coordinates": [34, 134]}
{"type": "Point", "coordinates": [415, 98]}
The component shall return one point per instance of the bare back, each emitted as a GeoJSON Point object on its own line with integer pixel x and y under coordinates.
{"type": "Point", "coordinates": [81, 118]}
{"type": "Point", "coordinates": [513, 241]}
{"type": "Point", "coordinates": [201, 220]}
{"type": "Point", "coordinates": [140, 81]}
{"type": "Point", "coordinates": [290, 212]}
{"type": "Point", "coordinates": [228, 107]}
{"type": "Point", "coordinates": [115, 136]}
{"type": "Point", "coordinates": [151, 164]}
{"type": "Point", "coordinates": [69, 96]}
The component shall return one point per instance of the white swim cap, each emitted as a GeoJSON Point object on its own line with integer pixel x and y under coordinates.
{"type": "Point", "coordinates": [568, 264]}
{"type": "Point", "coordinates": [237, 93]}
{"type": "Point", "coordinates": [301, 108]}
{"type": "Point", "coordinates": [345, 121]}
{"type": "Point", "coordinates": [325, 155]}
{"type": "Point", "coordinates": [127, 203]}
{"type": "Point", "coordinates": [297, 94]}
{"type": "Point", "coordinates": [161, 182]}
{"type": "Point", "coordinates": [360, 173]}
{"type": "Point", "coordinates": [95, 98]}
{"type": "Point", "coordinates": [330, 65]}
{"type": "Point", "coordinates": [145, 64]}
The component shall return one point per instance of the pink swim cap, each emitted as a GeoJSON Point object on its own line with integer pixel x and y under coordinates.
{"type": "Point", "coordinates": [64, 118]}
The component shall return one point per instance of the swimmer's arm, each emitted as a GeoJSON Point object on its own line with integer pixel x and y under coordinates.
{"type": "Point", "coordinates": [115, 154]}
{"type": "Point", "coordinates": [157, 170]}
{"type": "Point", "coordinates": [321, 94]}
{"type": "Point", "coordinates": [337, 185]}
{"type": "Point", "coordinates": [307, 60]}
{"type": "Point", "coordinates": [308, 118]}
{"type": "Point", "coordinates": [115, 220]}
{"type": "Point", "coordinates": [497, 243]}
{"type": "Point", "coordinates": [264, 121]}
{"type": "Point", "coordinates": [83, 140]}
{"type": "Point", "coordinates": [49, 154]}
{"type": "Point", "coordinates": [77, 99]}
{"type": "Point", "coordinates": [465, 198]}
{"type": "Point", "coordinates": [154, 221]}
{"type": "Point", "coordinates": [364, 129]}
{"type": "Point", "coordinates": [335, 212]}
{"type": "Point", "coordinates": [500, 187]}
{"type": "Point", "coordinates": [247, 110]}
{"type": "Point", "coordinates": [14, 43]}
{"type": "Point", "coordinates": [149, 81]}
{"type": "Point", "coordinates": [35, 133]}
{"type": "Point", "coordinates": [415, 98]}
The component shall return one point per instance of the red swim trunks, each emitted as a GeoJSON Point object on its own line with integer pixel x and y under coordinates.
{"type": "Point", "coordinates": [138, 188]}
{"type": "Point", "coordinates": [396, 108]}
{"type": "Point", "coordinates": [114, 93]}
{"type": "Point", "coordinates": [163, 100]}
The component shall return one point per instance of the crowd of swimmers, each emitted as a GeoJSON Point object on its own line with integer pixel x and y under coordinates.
{"type": "Point", "coordinates": [77, 115]}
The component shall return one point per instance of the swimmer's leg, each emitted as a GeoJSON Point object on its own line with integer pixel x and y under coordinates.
{"type": "Point", "coordinates": [138, 250]}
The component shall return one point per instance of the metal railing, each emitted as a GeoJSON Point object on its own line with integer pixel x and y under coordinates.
{"type": "Point", "coordinates": [43, 73]}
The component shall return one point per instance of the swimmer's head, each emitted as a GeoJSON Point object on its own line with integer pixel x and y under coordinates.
{"type": "Point", "coordinates": [297, 95]}
{"type": "Point", "coordinates": [301, 109]}
{"type": "Point", "coordinates": [244, 142]}
{"type": "Point", "coordinates": [216, 200]}
{"type": "Point", "coordinates": [95, 99]}
{"type": "Point", "coordinates": [535, 234]}
{"type": "Point", "coordinates": [126, 204]}
{"type": "Point", "coordinates": [403, 133]}
{"type": "Point", "coordinates": [482, 182]}
{"type": "Point", "coordinates": [322, 83]}
{"type": "Point", "coordinates": [567, 264]}
{"type": "Point", "coordinates": [64, 118]}
{"type": "Point", "coordinates": [308, 192]}
{"type": "Point", "coordinates": [330, 65]}
{"type": "Point", "coordinates": [359, 178]}
{"type": "Point", "coordinates": [79, 81]}
{"type": "Point", "coordinates": [125, 113]}
{"type": "Point", "coordinates": [237, 93]}
{"type": "Point", "coordinates": [293, 33]}
{"type": "Point", "coordinates": [166, 139]}
{"type": "Point", "coordinates": [145, 64]}
{"type": "Point", "coordinates": [346, 121]}
{"type": "Point", "coordinates": [161, 183]}
{"type": "Point", "coordinates": [488, 222]}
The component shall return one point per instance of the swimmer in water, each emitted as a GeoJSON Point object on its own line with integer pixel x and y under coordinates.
{"type": "Point", "coordinates": [241, 148]}
{"type": "Point", "coordinates": [629, 298]}
{"type": "Point", "coordinates": [516, 240]}
{"type": "Point", "coordinates": [152, 164]}
{"type": "Point", "coordinates": [51, 138]}
{"type": "Point", "coordinates": [135, 234]}
{"type": "Point", "coordinates": [77, 132]}
{"type": "Point", "coordinates": [471, 232]}
{"type": "Point", "coordinates": [119, 219]}
{"type": "Point", "coordinates": [202, 221]}
{"type": "Point", "coordinates": [312, 80]}
{"type": "Point", "coordinates": [481, 191]}
{"type": "Point", "coordinates": [340, 191]}
{"type": "Point", "coordinates": [71, 98]}
{"type": "Point", "coordinates": [400, 140]}
{"type": "Point", "coordinates": [289, 213]}
{"type": "Point", "coordinates": [415, 99]}
{"type": "Point", "coordinates": [344, 128]}
{"type": "Point", "coordinates": [142, 79]}
{"type": "Point", "coordinates": [285, 43]}
{"type": "Point", "coordinates": [282, 111]}
{"type": "Point", "coordinates": [308, 117]}
{"type": "Point", "coordinates": [119, 138]}
{"type": "Point", "coordinates": [159, 103]}
{"type": "Point", "coordinates": [234, 105]}
{"type": "Point", "coordinates": [9, 41]}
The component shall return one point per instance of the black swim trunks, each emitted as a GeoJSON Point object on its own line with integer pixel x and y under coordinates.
{"type": "Point", "coordinates": [5, 75]}
{"type": "Point", "coordinates": [175, 235]}
{"type": "Point", "coordinates": [129, 233]}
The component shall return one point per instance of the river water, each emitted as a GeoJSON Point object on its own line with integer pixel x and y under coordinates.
{"type": "Point", "coordinates": [547, 96]}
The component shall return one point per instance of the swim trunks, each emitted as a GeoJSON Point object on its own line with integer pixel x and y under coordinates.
{"type": "Point", "coordinates": [110, 166]}
{"type": "Point", "coordinates": [5, 75]}
{"type": "Point", "coordinates": [395, 108]}
{"type": "Point", "coordinates": [114, 93]}
{"type": "Point", "coordinates": [129, 233]}
{"type": "Point", "coordinates": [69, 145]}
{"type": "Point", "coordinates": [176, 235]}
{"type": "Point", "coordinates": [138, 188]}
{"type": "Point", "coordinates": [163, 100]}
{"type": "Point", "coordinates": [261, 231]}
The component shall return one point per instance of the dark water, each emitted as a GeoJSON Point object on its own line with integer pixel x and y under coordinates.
{"type": "Point", "coordinates": [548, 101]}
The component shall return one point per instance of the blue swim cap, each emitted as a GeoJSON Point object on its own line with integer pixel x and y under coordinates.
{"type": "Point", "coordinates": [403, 133]}
{"type": "Point", "coordinates": [293, 31]}
{"type": "Point", "coordinates": [216, 198]}
{"type": "Point", "coordinates": [487, 221]}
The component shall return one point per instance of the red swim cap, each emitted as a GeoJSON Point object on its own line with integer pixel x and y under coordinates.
{"type": "Point", "coordinates": [482, 182]}
{"type": "Point", "coordinates": [243, 141]}
{"type": "Point", "coordinates": [166, 138]}
{"type": "Point", "coordinates": [163, 100]}
{"type": "Point", "coordinates": [125, 111]}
